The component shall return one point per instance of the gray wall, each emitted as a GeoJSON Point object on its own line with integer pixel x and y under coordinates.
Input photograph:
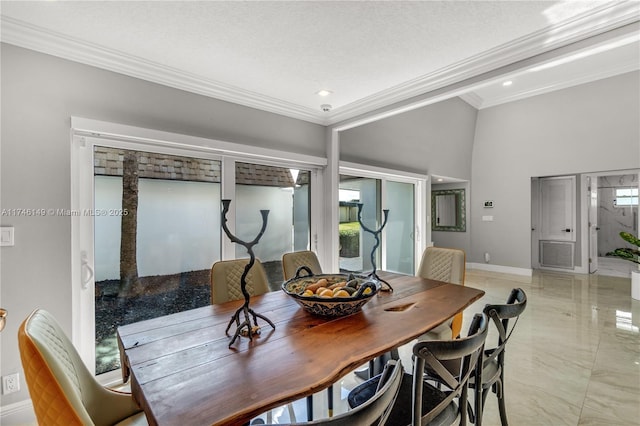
{"type": "Point", "coordinates": [435, 139]}
{"type": "Point", "coordinates": [39, 95]}
{"type": "Point", "coordinates": [589, 128]}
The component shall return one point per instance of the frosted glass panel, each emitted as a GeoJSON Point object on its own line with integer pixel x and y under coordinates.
{"type": "Point", "coordinates": [262, 187]}
{"type": "Point", "coordinates": [356, 246]}
{"type": "Point", "coordinates": [399, 241]}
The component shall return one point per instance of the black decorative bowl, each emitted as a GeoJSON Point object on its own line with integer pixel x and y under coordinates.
{"type": "Point", "coordinates": [361, 290]}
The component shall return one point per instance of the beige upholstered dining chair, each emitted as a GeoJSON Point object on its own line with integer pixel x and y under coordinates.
{"type": "Point", "coordinates": [225, 280]}
{"type": "Point", "coordinates": [448, 265]}
{"type": "Point", "coordinates": [62, 389]}
{"type": "Point", "coordinates": [292, 261]}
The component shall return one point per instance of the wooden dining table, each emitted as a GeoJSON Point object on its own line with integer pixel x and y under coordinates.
{"type": "Point", "coordinates": [183, 371]}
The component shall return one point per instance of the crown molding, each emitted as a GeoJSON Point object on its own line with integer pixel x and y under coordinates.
{"type": "Point", "coordinates": [36, 38]}
{"type": "Point", "coordinates": [604, 18]}
{"type": "Point", "coordinates": [472, 98]}
{"type": "Point", "coordinates": [623, 68]}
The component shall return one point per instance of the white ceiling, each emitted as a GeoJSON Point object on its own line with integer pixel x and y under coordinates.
{"type": "Point", "coordinates": [372, 55]}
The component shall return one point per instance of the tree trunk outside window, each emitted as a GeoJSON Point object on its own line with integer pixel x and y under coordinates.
{"type": "Point", "coordinates": [129, 282]}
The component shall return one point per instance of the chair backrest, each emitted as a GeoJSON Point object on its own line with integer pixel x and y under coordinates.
{"type": "Point", "coordinates": [376, 409]}
{"type": "Point", "coordinates": [225, 280]}
{"type": "Point", "coordinates": [439, 357]}
{"type": "Point", "coordinates": [443, 264]}
{"type": "Point", "coordinates": [62, 389]}
{"type": "Point", "coordinates": [501, 316]}
{"type": "Point", "coordinates": [448, 265]}
{"type": "Point", "coordinates": [292, 261]}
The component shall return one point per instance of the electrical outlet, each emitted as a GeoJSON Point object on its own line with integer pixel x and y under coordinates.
{"type": "Point", "coordinates": [10, 383]}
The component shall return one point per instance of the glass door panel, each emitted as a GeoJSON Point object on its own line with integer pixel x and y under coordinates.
{"type": "Point", "coordinates": [356, 245]}
{"type": "Point", "coordinates": [399, 232]}
{"type": "Point", "coordinates": [156, 235]}
{"type": "Point", "coordinates": [286, 194]}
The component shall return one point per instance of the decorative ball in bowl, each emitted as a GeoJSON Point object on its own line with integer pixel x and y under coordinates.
{"type": "Point", "coordinates": [330, 295]}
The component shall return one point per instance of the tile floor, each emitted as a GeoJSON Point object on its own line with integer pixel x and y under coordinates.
{"type": "Point", "coordinates": [574, 358]}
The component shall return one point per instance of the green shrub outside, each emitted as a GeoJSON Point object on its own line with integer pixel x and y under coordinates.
{"type": "Point", "coordinates": [349, 233]}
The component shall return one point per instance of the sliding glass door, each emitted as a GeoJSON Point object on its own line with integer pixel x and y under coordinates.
{"type": "Point", "coordinates": [400, 230]}
{"type": "Point", "coordinates": [156, 235]}
{"type": "Point", "coordinates": [397, 248]}
{"type": "Point", "coordinates": [146, 228]}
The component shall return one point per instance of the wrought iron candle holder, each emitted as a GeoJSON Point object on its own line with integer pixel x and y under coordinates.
{"type": "Point", "coordinates": [245, 326]}
{"type": "Point", "coordinates": [376, 235]}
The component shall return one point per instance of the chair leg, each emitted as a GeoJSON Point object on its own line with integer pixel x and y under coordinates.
{"type": "Point", "coordinates": [330, 400]}
{"type": "Point", "coordinates": [485, 392]}
{"type": "Point", "coordinates": [292, 413]}
{"type": "Point", "coordinates": [478, 400]}
{"type": "Point", "coordinates": [501, 405]}
{"type": "Point", "coordinates": [463, 403]}
{"type": "Point", "coordinates": [376, 365]}
{"type": "Point", "coordinates": [310, 408]}
{"type": "Point", "coordinates": [395, 354]}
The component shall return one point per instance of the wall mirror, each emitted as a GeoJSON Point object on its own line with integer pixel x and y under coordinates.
{"type": "Point", "coordinates": [448, 210]}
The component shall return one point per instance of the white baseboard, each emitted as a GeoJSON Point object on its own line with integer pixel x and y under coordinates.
{"type": "Point", "coordinates": [498, 268]}
{"type": "Point", "coordinates": [18, 414]}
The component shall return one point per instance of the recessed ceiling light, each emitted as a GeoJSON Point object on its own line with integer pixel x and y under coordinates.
{"type": "Point", "coordinates": [507, 83]}
{"type": "Point", "coordinates": [324, 92]}
{"type": "Point", "coordinates": [440, 180]}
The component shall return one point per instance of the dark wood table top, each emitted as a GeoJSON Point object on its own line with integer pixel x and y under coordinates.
{"type": "Point", "coordinates": [184, 373]}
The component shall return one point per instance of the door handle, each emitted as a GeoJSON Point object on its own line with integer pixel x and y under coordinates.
{"type": "Point", "coordinates": [565, 230]}
{"type": "Point", "coordinates": [85, 267]}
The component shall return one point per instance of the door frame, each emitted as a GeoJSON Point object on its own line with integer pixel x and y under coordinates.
{"type": "Point", "coordinates": [584, 207]}
{"type": "Point", "coordinates": [591, 197]}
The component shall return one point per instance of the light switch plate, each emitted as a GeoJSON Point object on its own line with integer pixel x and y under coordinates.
{"type": "Point", "coordinates": [6, 236]}
{"type": "Point", "coordinates": [487, 218]}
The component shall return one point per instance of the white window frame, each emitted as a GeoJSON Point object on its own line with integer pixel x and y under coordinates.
{"type": "Point", "coordinates": [421, 231]}
{"type": "Point", "coordinates": [86, 133]}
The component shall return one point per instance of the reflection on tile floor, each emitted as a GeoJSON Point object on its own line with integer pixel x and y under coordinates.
{"type": "Point", "coordinates": [574, 358]}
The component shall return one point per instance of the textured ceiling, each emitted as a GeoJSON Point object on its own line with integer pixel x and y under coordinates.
{"type": "Point", "coordinates": [277, 55]}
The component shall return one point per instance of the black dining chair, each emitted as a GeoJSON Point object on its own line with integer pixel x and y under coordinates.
{"type": "Point", "coordinates": [375, 410]}
{"type": "Point", "coordinates": [452, 362]}
{"type": "Point", "coordinates": [504, 318]}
